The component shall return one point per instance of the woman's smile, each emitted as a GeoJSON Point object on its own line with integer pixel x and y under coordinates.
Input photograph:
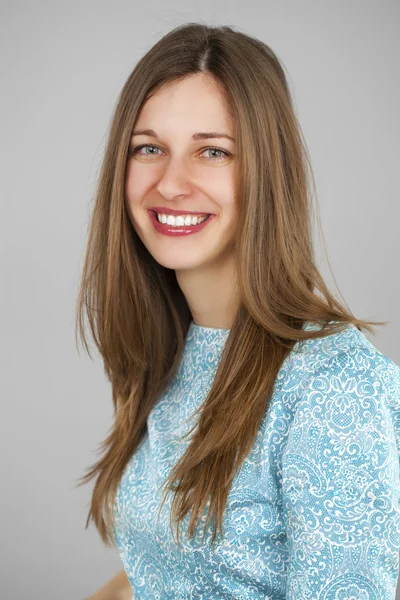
{"type": "Point", "coordinates": [178, 226]}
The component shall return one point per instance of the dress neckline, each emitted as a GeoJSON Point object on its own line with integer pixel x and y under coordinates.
{"type": "Point", "coordinates": [199, 328]}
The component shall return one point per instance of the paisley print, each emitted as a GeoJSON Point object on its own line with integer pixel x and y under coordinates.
{"type": "Point", "coordinates": [314, 511]}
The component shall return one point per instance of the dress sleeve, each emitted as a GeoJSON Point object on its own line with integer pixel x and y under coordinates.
{"type": "Point", "coordinates": [341, 481]}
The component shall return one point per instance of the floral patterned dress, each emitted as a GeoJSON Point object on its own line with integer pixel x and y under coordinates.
{"type": "Point", "coordinates": [314, 511]}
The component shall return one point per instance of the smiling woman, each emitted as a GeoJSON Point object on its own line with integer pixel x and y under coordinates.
{"type": "Point", "coordinates": [250, 410]}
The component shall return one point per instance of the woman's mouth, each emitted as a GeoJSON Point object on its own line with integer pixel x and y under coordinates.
{"type": "Point", "coordinates": [178, 226]}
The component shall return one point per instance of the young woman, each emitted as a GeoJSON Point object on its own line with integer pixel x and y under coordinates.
{"type": "Point", "coordinates": [255, 447]}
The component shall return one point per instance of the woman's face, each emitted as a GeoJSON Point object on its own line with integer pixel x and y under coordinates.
{"type": "Point", "coordinates": [175, 171]}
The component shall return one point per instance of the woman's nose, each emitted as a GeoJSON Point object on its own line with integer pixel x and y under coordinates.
{"type": "Point", "coordinates": [175, 179]}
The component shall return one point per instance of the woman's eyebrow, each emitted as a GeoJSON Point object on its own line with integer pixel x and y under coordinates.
{"type": "Point", "coordinates": [196, 136]}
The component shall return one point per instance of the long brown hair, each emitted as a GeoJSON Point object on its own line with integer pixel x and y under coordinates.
{"type": "Point", "coordinates": [138, 314]}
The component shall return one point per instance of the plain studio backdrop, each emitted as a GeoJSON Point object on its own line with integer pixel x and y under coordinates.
{"type": "Point", "coordinates": [62, 68]}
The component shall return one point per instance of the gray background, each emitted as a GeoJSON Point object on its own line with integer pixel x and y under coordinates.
{"type": "Point", "coordinates": [62, 67]}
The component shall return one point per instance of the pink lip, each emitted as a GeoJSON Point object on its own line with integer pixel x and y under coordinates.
{"type": "Point", "coordinates": [177, 231]}
{"type": "Point", "coordinates": [170, 211]}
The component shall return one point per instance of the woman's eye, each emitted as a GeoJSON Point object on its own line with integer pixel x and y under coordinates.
{"type": "Point", "coordinates": [212, 149]}
{"type": "Point", "coordinates": [135, 150]}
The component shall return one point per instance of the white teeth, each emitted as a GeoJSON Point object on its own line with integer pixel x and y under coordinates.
{"type": "Point", "coordinates": [180, 220]}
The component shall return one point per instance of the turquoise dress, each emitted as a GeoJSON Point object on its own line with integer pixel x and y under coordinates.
{"type": "Point", "coordinates": [314, 511]}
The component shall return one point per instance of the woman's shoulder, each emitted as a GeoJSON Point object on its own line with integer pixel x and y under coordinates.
{"type": "Point", "coordinates": [343, 368]}
{"type": "Point", "coordinates": [348, 349]}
